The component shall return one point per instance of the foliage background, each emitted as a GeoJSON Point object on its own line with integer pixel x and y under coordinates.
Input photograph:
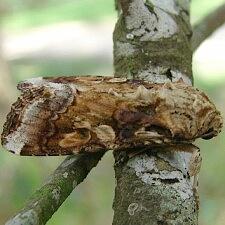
{"type": "Point", "coordinates": [91, 203]}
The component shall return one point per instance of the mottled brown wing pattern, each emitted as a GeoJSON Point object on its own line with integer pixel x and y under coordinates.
{"type": "Point", "coordinates": [69, 115]}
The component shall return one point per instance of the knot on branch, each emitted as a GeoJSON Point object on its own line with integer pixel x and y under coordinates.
{"type": "Point", "coordinates": [68, 115]}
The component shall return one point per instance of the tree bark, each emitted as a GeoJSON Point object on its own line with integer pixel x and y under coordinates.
{"type": "Point", "coordinates": [152, 42]}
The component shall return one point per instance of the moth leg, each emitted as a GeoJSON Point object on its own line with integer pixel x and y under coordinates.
{"type": "Point", "coordinates": [194, 169]}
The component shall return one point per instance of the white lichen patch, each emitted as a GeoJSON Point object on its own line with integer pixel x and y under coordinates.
{"type": "Point", "coordinates": [149, 26]}
{"type": "Point", "coordinates": [157, 74]}
{"type": "Point", "coordinates": [136, 208]}
{"type": "Point", "coordinates": [142, 164]}
{"type": "Point", "coordinates": [56, 194]}
{"type": "Point", "coordinates": [154, 74]}
{"type": "Point", "coordinates": [124, 49]}
{"type": "Point", "coordinates": [177, 75]}
{"type": "Point", "coordinates": [155, 78]}
{"type": "Point", "coordinates": [29, 217]}
{"type": "Point", "coordinates": [132, 208]}
{"type": "Point", "coordinates": [130, 36]}
{"type": "Point", "coordinates": [146, 169]}
{"type": "Point", "coordinates": [163, 20]}
{"type": "Point", "coordinates": [167, 6]}
{"type": "Point", "coordinates": [140, 19]}
{"type": "Point", "coordinates": [65, 175]}
{"type": "Point", "coordinates": [184, 189]}
{"type": "Point", "coordinates": [178, 160]}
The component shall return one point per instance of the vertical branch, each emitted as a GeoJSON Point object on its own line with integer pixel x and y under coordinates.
{"type": "Point", "coordinates": [152, 42]}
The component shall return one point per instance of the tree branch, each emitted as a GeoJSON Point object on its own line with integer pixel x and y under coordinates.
{"type": "Point", "coordinates": [46, 200]}
{"type": "Point", "coordinates": [149, 44]}
{"type": "Point", "coordinates": [207, 26]}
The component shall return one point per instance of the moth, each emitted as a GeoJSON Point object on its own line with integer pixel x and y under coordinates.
{"type": "Point", "coordinates": [70, 115]}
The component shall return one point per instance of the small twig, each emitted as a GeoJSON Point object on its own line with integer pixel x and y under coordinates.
{"type": "Point", "coordinates": [207, 26]}
{"type": "Point", "coordinates": [46, 200]}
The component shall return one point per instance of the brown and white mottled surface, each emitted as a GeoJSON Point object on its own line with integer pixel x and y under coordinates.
{"type": "Point", "coordinates": [70, 115]}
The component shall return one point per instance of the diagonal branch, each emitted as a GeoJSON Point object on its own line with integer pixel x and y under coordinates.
{"type": "Point", "coordinates": [46, 200]}
{"type": "Point", "coordinates": [207, 26]}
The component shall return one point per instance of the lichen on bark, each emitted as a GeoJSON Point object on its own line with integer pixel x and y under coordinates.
{"type": "Point", "coordinates": [143, 196]}
{"type": "Point", "coordinates": [159, 41]}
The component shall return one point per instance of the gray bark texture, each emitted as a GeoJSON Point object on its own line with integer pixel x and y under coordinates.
{"type": "Point", "coordinates": [152, 41]}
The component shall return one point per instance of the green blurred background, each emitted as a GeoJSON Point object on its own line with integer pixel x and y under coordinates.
{"type": "Point", "coordinates": [49, 38]}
